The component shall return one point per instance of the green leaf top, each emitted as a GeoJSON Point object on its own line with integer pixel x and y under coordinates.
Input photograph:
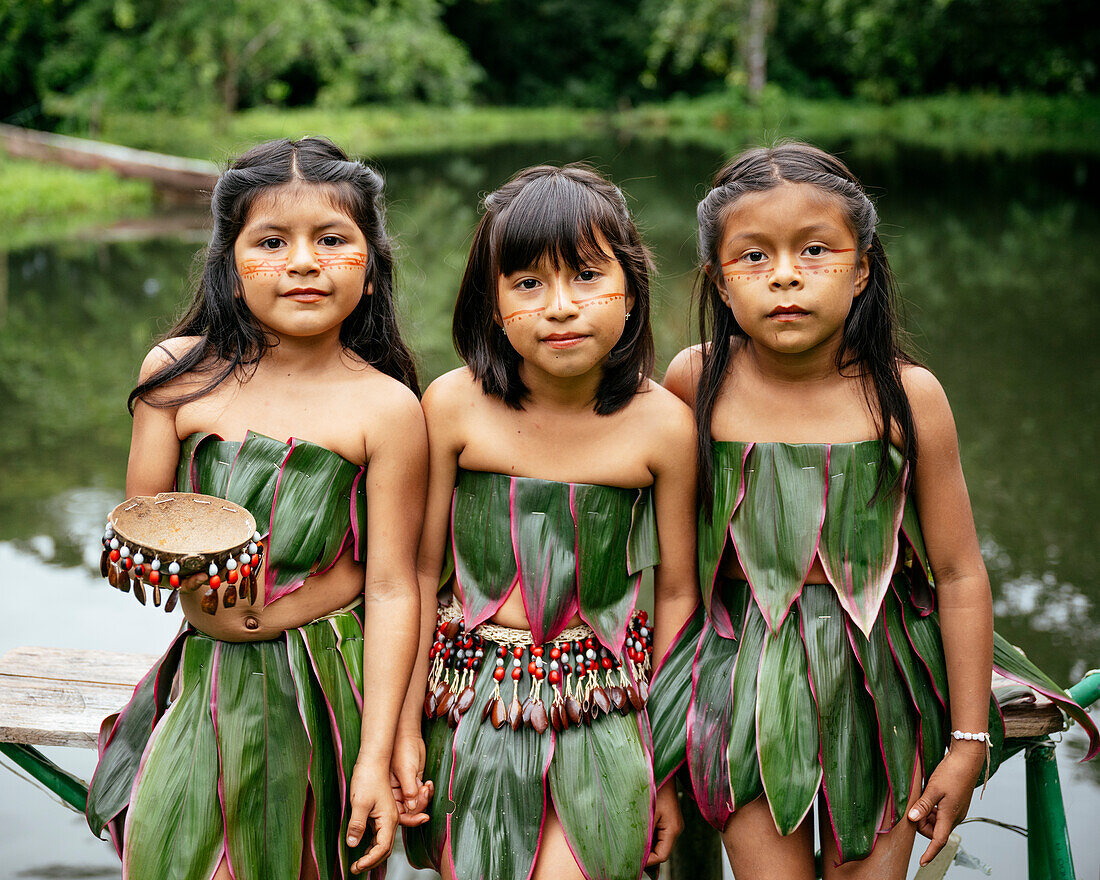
{"type": "Point", "coordinates": [307, 500]}
{"type": "Point", "coordinates": [782, 505]}
{"type": "Point", "coordinates": [573, 548]}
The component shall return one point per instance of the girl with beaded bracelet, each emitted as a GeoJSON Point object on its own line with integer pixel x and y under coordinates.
{"type": "Point", "coordinates": [844, 635]}
{"type": "Point", "coordinates": [559, 473]}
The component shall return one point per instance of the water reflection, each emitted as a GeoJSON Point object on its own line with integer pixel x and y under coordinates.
{"type": "Point", "coordinates": [998, 263]}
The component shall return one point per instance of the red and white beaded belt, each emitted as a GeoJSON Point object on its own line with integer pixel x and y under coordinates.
{"type": "Point", "coordinates": [583, 678]}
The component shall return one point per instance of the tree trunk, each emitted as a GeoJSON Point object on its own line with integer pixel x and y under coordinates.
{"type": "Point", "coordinates": [756, 45]}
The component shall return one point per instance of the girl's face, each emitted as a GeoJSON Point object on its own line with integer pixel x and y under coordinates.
{"type": "Point", "coordinates": [302, 261]}
{"type": "Point", "coordinates": [563, 322]}
{"type": "Point", "coordinates": [790, 267]}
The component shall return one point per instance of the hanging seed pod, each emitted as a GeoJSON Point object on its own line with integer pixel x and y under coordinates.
{"type": "Point", "coordinates": [515, 714]}
{"type": "Point", "coordinates": [572, 711]}
{"type": "Point", "coordinates": [643, 691]}
{"type": "Point", "coordinates": [450, 629]}
{"type": "Point", "coordinates": [430, 702]}
{"type": "Point", "coordinates": [104, 563]}
{"type": "Point", "coordinates": [465, 700]}
{"type": "Point", "coordinates": [112, 576]}
{"type": "Point", "coordinates": [539, 721]}
{"type": "Point", "coordinates": [209, 601]}
{"type": "Point", "coordinates": [173, 598]}
{"type": "Point", "coordinates": [600, 701]}
{"type": "Point", "coordinates": [555, 715]}
{"type": "Point", "coordinates": [453, 716]}
{"type": "Point", "coordinates": [156, 594]}
{"type": "Point", "coordinates": [498, 715]}
{"type": "Point", "coordinates": [229, 596]}
{"type": "Point", "coordinates": [618, 697]}
{"type": "Point", "coordinates": [139, 589]}
{"type": "Point", "coordinates": [487, 711]}
{"type": "Point", "coordinates": [445, 704]}
{"type": "Point", "coordinates": [525, 715]}
{"type": "Point", "coordinates": [635, 698]}
{"type": "Point", "coordinates": [440, 690]}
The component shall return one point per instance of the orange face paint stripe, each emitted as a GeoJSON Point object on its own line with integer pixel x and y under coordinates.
{"type": "Point", "coordinates": [354, 261]}
{"type": "Point", "coordinates": [262, 268]}
{"type": "Point", "coordinates": [522, 313]}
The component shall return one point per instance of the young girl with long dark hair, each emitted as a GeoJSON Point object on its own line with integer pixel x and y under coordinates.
{"type": "Point", "coordinates": [559, 473]}
{"type": "Point", "coordinates": [273, 757]}
{"type": "Point", "coordinates": [848, 638]}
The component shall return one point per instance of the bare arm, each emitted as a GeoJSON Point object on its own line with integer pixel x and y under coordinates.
{"type": "Point", "coordinates": [675, 587]}
{"type": "Point", "coordinates": [682, 375]}
{"type": "Point", "coordinates": [444, 447]}
{"type": "Point", "coordinates": [154, 443]}
{"type": "Point", "coordinates": [965, 604]}
{"type": "Point", "coordinates": [396, 484]}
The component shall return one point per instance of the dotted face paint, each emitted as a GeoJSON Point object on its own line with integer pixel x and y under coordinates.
{"type": "Point", "coordinates": [749, 274]}
{"type": "Point", "coordinates": [599, 299]}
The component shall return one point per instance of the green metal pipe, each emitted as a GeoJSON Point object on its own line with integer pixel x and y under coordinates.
{"type": "Point", "coordinates": [69, 788]}
{"type": "Point", "coordinates": [1048, 852]}
{"type": "Point", "coordinates": [1087, 690]}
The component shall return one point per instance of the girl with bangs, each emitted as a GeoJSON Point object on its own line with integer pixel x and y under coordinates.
{"type": "Point", "coordinates": [559, 474]}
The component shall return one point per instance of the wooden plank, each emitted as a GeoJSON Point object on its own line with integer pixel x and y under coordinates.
{"type": "Point", "coordinates": [59, 697]}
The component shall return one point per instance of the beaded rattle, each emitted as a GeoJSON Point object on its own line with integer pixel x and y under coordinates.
{"type": "Point", "coordinates": [163, 540]}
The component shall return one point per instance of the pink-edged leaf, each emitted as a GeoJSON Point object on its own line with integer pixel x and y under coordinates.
{"type": "Point", "coordinates": [742, 758]}
{"type": "Point", "coordinates": [424, 843]}
{"type": "Point", "coordinates": [854, 778]}
{"type": "Point", "coordinates": [332, 657]}
{"type": "Point", "coordinates": [174, 827]}
{"type": "Point", "coordinates": [481, 543]}
{"type": "Point", "coordinates": [322, 838]}
{"type": "Point", "coordinates": [918, 681]}
{"type": "Point", "coordinates": [898, 721]}
{"type": "Point", "coordinates": [544, 542]}
{"type": "Point", "coordinates": [606, 593]}
{"type": "Point", "coordinates": [776, 527]}
{"type": "Point", "coordinates": [643, 550]}
{"type": "Point", "coordinates": [729, 490]}
{"type": "Point", "coordinates": [669, 697]}
{"type": "Point", "coordinates": [601, 779]}
{"type": "Point", "coordinates": [311, 515]}
{"type": "Point", "coordinates": [124, 736]}
{"type": "Point", "coordinates": [264, 755]}
{"type": "Point", "coordinates": [498, 789]}
{"type": "Point", "coordinates": [708, 726]}
{"type": "Point", "coordinates": [1009, 661]}
{"type": "Point", "coordinates": [859, 540]}
{"type": "Point", "coordinates": [786, 727]}
{"type": "Point", "coordinates": [204, 464]}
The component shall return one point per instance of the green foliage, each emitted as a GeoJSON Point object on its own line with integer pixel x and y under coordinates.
{"type": "Point", "coordinates": [159, 55]}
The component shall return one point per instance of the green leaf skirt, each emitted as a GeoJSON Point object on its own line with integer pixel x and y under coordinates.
{"type": "Point", "coordinates": [236, 750]}
{"type": "Point", "coordinates": [492, 784]}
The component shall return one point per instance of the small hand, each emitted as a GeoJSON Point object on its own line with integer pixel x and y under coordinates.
{"type": "Point", "coordinates": [371, 801]}
{"type": "Point", "coordinates": [667, 823]}
{"type": "Point", "coordinates": [946, 798]}
{"type": "Point", "coordinates": [410, 792]}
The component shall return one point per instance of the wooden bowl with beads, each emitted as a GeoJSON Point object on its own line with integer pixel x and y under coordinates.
{"type": "Point", "coordinates": [164, 541]}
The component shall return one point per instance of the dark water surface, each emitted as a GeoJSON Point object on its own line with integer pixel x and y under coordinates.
{"type": "Point", "coordinates": [1000, 269]}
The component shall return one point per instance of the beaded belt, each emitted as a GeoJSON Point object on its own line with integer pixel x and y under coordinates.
{"type": "Point", "coordinates": [582, 676]}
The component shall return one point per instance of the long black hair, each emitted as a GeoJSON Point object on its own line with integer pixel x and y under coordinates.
{"type": "Point", "coordinates": [230, 338]}
{"type": "Point", "coordinates": [872, 340]}
{"type": "Point", "coordinates": [554, 213]}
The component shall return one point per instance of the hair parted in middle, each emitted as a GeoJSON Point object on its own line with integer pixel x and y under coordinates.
{"type": "Point", "coordinates": [557, 214]}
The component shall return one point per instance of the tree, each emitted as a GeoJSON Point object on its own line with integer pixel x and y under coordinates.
{"type": "Point", "coordinates": [729, 38]}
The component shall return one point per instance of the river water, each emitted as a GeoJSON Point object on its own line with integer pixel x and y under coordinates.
{"type": "Point", "coordinates": [1000, 270]}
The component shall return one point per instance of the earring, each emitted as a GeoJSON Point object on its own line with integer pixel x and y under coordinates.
{"type": "Point", "coordinates": [628, 316]}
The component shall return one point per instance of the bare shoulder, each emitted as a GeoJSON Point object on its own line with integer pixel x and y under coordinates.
{"type": "Point", "coordinates": [166, 353]}
{"type": "Point", "coordinates": [666, 417]}
{"type": "Point", "coordinates": [452, 395]}
{"type": "Point", "coordinates": [682, 375]}
{"type": "Point", "coordinates": [928, 401]}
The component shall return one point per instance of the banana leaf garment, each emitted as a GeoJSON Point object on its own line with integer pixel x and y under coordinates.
{"type": "Point", "coordinates": [245, 750]}
{"type": "Point", "coordinates": [572, 549]}
{"type": "Point", "coordinates": [800, 691]}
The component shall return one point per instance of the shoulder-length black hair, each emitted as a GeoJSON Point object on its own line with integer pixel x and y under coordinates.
{"type": "Point", "coordinates": [230, 338]}
{"type": "Point", "coordinates": [557, 214]}
{"type": "Point", "coordinates": [872, 341]}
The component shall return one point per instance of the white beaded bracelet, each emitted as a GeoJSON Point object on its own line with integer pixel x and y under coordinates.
{"type": "Point", "coordinates": [961, 734]}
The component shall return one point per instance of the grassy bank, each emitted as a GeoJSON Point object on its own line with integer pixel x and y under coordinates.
{"type": "Point", "coordinates": [975, 125]}
{"type": "Point", "coordinates": [47, 200]}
